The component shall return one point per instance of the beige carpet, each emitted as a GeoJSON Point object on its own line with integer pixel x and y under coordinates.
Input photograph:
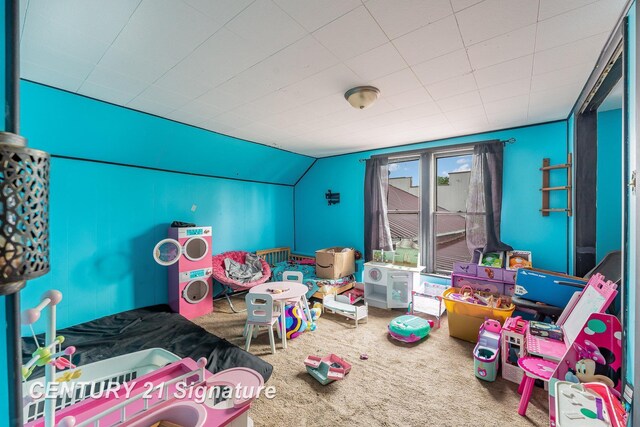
{"type": "Point", "coordinates": [430, 383]}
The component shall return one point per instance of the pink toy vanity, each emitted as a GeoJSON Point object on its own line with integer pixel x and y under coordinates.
{"type": "Point", "coordinates": [171, 394]}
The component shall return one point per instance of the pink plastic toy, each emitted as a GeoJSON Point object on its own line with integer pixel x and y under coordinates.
{"type": "Point", "coordinates": [171, 394]}
{"type": "Point", "coordinates": [327, 369]}
{"type": "Point", "coordinates": [513, 347]}
{"type": "Point", "coordinates": [187, 253]}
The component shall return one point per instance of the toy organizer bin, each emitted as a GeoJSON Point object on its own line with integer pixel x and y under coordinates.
{"type": "Point", "coordinates": [102, 374]}
{"type": "Point", "coordinates": [465, 318]}
{"type": "Point", "coordinates": [513, 348]}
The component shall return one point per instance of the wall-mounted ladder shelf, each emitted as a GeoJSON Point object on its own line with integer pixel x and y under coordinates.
{"type": "Point", "coordinates": [546, 189]}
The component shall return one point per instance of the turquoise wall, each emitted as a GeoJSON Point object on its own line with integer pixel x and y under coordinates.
{"type": "Point", "coordinates": [632, 257]}
{"type": "Point", "coordinates": [105, 218]}
{"type": "Point", "coordinates": [65, 124]}
{"type": "Point", "coordinates": [609, 183]}
{"type": "Point", "coordinates": [319, 225]}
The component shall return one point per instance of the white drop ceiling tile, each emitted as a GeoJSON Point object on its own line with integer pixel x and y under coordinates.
{"type": "Point", "coordinates": [550, 8]}
{"type": "Point", "coordinates": [577, 24]}
{"type": "Point", "coordinates": [176, 80]}
{"type": "Point", "coordinates": [492, 18]}
{"type": "Point", "coordinates": [377, 62]}
{"type": "Point", "coordinates": [561, 95]}
{"type": "Point", "coordinates": [151, 107]}
{"type": "Point", "coordinates": [273, 103]}
{"type": "Point", "coordinates": [40, 30]}
{"type": "Point", "coordinates": [541, 111]}
{"type": "Point", "coordinates": [565, 76]}
{"type": "Point", "coordinates": [218, 127]}
{"type": "Point", "coordinates": [59, 62]}
{"type": "Point", "coordinates": [264, 23]}
{"type": "Point", "coordinates": [454, 86]}
{"type": "Point", "coordinates": [505, 72]}
{"type": "Point", "coordinates": [467, 113]}
{"type": "Point", "coordinates": [234, 120]}
{"type": "Point", "coordinates": [219, 58]}
{"type": "Point", "coordinates": [112, 80]}
{"type": "Point", "coordinates": [351, 34]}
{"type": "Point", "coordinates": [505, 90]}
{"type": "Point", "coordinates": [578, 52]}
{"type": "Point", "coordinates": [514, 105]}
{"type": "Point", "coordinates": [470, 125]}
{"type": "Point", "coordinates": [221, 99]}
{"type": "Point", "coordinates": [398, 82]}
{"type": "Point", "coordinates": [314, 14]}
{"type": "Point", "coordinates": [149, 30]}
{"type": "Point", "coordinates": [430, 41]}
{"type": "Point", "coordinates": [410, 98]}
{"type": "Point", "coordinates": [221, 11]}
{"type": "Point", "coordinates": [104, 93]}
{"type": "Point", "coordinates": [186, 117]}
{"type": "Point", "coordinates": [507, 120]}
{"type": "Point", "coordinates": [302, 59]}
{"type": "Point", "coordinates": [464, 100]}
{"type": "Point", "coordinates": [458, 5]}
{"type": "Point", "coordinates": [444, 67]}
{"type": "Point", "coordinates": [502, 48]}
{"type": "Point", "coordinates": [23, 14]}
{"type": "Point", "coordinates": [200, 108]}
{"type": "Point", "coordinates": [38, 73]}
{"type": "Point", "coordinates": [100, 20]}
{"type": "Point", "coordinates": [158, 95]}
{"type": "Point", "coordinates": [398, 18]}
{"type": "Point", "coordinates": [325, 83]}
{"type": "Point", "coordinates": [246, 88]}
{"type": "Point", "coordinates": [137, 66]}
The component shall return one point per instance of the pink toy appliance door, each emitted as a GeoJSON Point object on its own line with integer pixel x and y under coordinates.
{"type": "Point", "coordinates": [169, 251]}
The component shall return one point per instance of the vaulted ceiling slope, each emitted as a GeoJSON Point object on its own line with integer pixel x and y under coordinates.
{"type": "Point", "coordinates": [275, 71]}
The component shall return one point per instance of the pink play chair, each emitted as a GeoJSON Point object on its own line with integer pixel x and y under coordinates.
{"type": "Point", "coordinates": [220, 275]}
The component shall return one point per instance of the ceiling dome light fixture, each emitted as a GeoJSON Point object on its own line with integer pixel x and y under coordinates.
{"type": "Point", "coordinates": [362, 97]}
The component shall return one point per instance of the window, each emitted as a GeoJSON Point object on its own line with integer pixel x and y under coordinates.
{"type": "Point", "coordinates": [448, 183]}
{"type": "Point", "coordinates": [403, 199]}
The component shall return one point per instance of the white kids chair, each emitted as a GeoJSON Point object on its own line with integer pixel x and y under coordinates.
{"type": "Point", "coordinates": [260, 313]}
{"type": "Point", "coordinates": [296, 276]}
{"type": "Point", "coordinates": [292, 276]}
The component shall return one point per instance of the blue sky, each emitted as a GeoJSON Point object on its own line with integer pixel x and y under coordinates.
{"type": "Point", "coordinates": [445, 165]}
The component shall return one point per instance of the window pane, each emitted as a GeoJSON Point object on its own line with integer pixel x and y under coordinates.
{"type": "Point", "coordinates": [452, 186]}
{"type": "Point", "coordinates": [451, 242]}
{"type": "Point", "coordinates": [403, 201]}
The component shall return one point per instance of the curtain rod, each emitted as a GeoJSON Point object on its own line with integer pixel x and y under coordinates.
{"type": "Point", "coordinates": [423, 150]}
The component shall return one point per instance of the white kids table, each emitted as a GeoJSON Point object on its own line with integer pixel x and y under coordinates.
{"type": "Point", "coordinates": [290, 291]}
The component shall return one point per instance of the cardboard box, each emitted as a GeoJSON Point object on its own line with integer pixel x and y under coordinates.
{"type": "Point", "coordinates": [333, 263]}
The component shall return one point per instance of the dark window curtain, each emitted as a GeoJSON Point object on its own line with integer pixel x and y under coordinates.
{"type": "Point", "coordinates": [377, 234]}
{"type": "Point", "coordinates": [484, 203]}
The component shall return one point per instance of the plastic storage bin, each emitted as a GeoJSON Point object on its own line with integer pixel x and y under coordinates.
{"type": "Point", "coordinates": [465, 318]}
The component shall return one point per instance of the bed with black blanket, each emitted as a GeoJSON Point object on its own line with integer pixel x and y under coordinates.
{"type": "Point", "coordinates": [145, 328]}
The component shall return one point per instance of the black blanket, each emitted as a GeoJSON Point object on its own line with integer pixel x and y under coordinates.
{"type": "Point", "coordinates": [149, 327]}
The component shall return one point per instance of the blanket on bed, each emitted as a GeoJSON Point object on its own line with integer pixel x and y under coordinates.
{"type": "Point", "coordinates": [149, 327]}
{"type": "Point", "coordinates": [309, 278]}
